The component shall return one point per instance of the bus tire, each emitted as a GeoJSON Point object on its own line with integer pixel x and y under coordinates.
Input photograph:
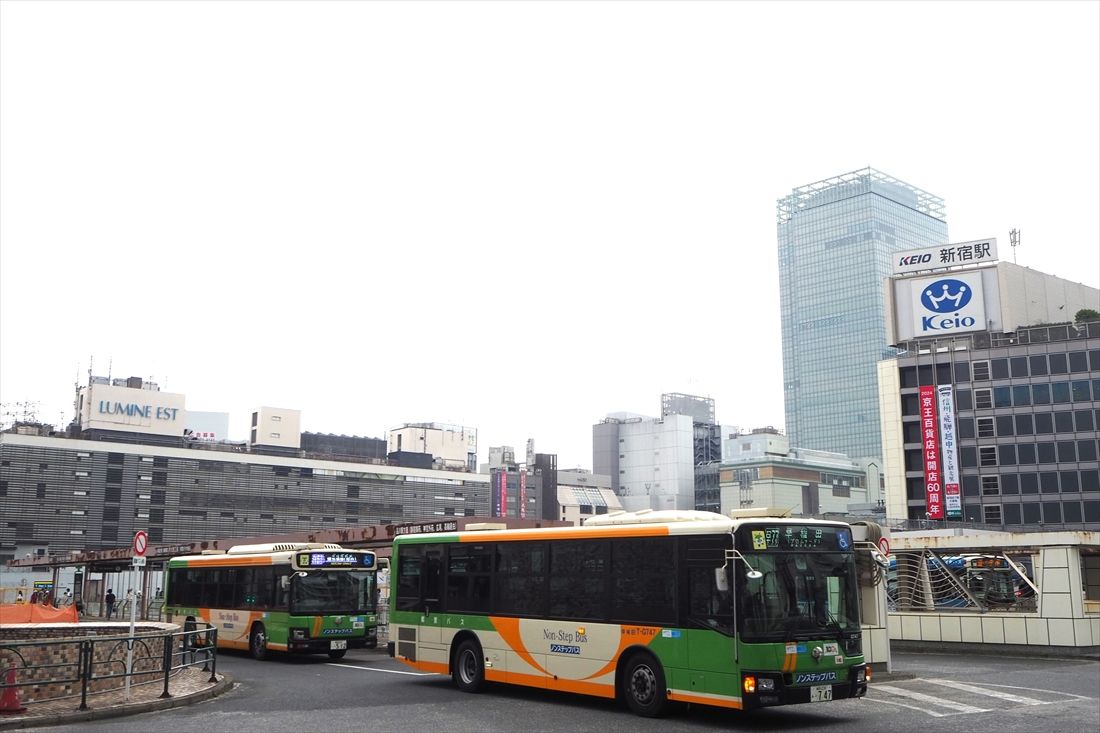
{"type": "Point", "coordinates": [257, 642]}
{"type": "Point", "coordinates": [643, 686]}
{"type": "Point", "coordinates": [337, 653]}
{"type": "Point", "coordinates": [469, 667]}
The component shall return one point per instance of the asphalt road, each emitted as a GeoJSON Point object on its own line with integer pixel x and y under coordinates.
{"type": "Point", "coordinates": [367, 691]}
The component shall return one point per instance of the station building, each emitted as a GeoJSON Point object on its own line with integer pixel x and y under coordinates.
{"type": "Point", "coordinates": [991, 411]}
{"type": "Point", "coordinates": [133, 459]}
{"type": "Point", "coordinates": [71, 494]}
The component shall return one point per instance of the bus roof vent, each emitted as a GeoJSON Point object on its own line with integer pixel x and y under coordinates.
{"type": "Point", "coordinates": [770, 511]}
{"type": "Point", "coordinates": [648, 516]}
{"type": "Point", "coordinates": [485, 526]}
{"type": "Point", "coordinates": [281, 547]}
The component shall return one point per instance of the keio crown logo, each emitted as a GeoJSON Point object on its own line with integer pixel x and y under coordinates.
{"type": "Point", "coordinates": [946, 295]}
{"type": "Point", "coordinates": [946, 299]}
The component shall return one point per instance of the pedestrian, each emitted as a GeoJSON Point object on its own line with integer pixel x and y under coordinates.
{"type": "Point", "coordinates": [110, 599]}
{"type": "Point", "coordinates": [19, 597]}
{"type": "Point", "coordinates": [34, 597]}
{"type": "Point", "coordinates": [68, 597]}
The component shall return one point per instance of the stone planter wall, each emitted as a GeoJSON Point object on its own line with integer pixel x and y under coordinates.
{"type": "Point", "coordinates": [49, 656]}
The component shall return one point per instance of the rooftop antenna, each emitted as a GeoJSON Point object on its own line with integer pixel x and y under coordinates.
{"type": "Point", "coordinates": [1014, 240]}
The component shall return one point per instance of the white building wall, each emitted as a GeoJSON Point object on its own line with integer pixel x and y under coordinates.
{"type": "Point", "coordinates": [893, 441]}
{"type": "Point", "coordinates": [569, 509]}
{"type": "Point", "coordinates": [753, 445]}
{"type": "Point", "coordinates": [787, 494]}
{"type": "Point", "coordinates": [1029, 297]}
{"type": "Point", "coordinates": [277, 426]}
{"type": "Point", "coordinates": [656, 463]}
{"type": "Point", "coordinates": [131, 410]}
{"type": "Point", "coordinates": [449, 445]}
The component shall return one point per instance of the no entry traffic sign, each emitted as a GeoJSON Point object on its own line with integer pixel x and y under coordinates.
{"type": "Point", "coordinates": [884, 546]}
{"type": "Point", "coordinates": [141, 542]}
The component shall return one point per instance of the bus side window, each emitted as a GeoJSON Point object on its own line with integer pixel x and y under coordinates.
{"type": "Point", "coordinates": [433, 580]}
{"type": "Point", "coordinates": [209, 596]}
{"type": "Point", "coordinates": [264, 593]}
{"type": "Point", "coordinates": [175, 586]}
{"type": "Point", "coordinates": [410, 560]}
{"type": "Point", "coordinates": [245, 589]}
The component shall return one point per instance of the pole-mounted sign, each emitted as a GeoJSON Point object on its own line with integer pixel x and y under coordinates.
{"type": "Point", "coordinates": [141, 542]}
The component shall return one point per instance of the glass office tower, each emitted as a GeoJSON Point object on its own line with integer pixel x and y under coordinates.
{"type": "Point", "coordinates": [836, 241]}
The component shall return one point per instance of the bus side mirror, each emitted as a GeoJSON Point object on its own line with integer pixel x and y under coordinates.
{"type": "Point", "coordinates": [720, 579]}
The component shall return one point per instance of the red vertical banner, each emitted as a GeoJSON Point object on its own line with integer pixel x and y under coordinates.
{"type": "Point", "coordinates": [504, 493]}
{"type": "Point", "coordinates": [523, 494]}
{"type": "Point", "coordinates": [930, 440]}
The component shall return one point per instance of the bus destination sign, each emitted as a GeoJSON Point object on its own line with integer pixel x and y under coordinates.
{"type": "Point", "coordinates": [332, 559]}
{"type": "Point", "coordinates": [795, 537]}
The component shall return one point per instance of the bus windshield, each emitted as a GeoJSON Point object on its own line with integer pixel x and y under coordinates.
{"type": "Point", "coordinates": [332, 592]}
{"type": "Point", "coordinates": [798, 596]}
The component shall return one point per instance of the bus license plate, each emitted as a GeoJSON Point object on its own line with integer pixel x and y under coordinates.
{"type": "Point", "coordinates": [343, 644]}
{"type": "Point", "coordinates": [821, 693]}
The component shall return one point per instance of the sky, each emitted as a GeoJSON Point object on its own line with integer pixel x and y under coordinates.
{"type": "Point", "coordinates": [512, 216]}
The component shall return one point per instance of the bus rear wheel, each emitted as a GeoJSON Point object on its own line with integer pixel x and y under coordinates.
{"type": "Point", "coordinates": [469, 667]}
{"type": "Point", "coordinates": [643, 686]}
{"type": "Point", "coordinates": [257, 642]}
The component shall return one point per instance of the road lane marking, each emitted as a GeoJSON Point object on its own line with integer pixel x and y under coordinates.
{"type": "Point", "coordinates": [983, 691]}
{"type": "Point", "coordinates": [929, 699]}
{"type": "Point", "coordinates": [903, 705]}
{"type": "Point", "coordinates": [1049, 692]}
{"type": "Point", "coordinates": [388, 671]}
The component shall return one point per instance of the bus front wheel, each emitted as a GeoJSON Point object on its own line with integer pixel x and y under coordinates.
{"type": "Point", "coordinates": [643, 686]}
{"type": "Point", "coordinates": [257, 642]}
{"type": "Point", "coordinates": [337, 653]}
{"type": "Point", "coordinates": [469, 667]}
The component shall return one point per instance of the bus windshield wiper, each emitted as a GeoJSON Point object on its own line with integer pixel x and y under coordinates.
{"type": "Point", "coordinates": [832, 624]}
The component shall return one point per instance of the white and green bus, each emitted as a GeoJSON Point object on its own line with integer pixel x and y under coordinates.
{"type": "Point", "coordinates": [306, 598]}
{"type": "Point", "coordinates": [648, 607]}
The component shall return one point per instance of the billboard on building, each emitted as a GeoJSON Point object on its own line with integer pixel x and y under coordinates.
{"type": "Point", "coordinates": [948, 304]}
{"type": "Point", "coordinates": [523, 494]}
{"type": "Point", "coordinates": [208, 426]}
{"type": "Point", "coordinates": [499, 492]}
{"type": "Point", "coordinates": [976, 252]}
{"type": "Point", "coordinates": [130, 410]}
{"type": "Point", "coordinates": [949, 456]}
{"type": "Point", "coordinates": [933, 480]}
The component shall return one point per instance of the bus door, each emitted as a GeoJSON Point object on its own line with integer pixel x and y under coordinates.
{"type": "Point", "coordinates": [709, 627]}
{"type": "Point", "coordinates": [419, 588]}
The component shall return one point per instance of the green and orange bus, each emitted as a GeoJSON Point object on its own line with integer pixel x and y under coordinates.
{"type": "Point", "coordinates": [306, 598]}
{"type": "Point", "coordinates": [648, 607]}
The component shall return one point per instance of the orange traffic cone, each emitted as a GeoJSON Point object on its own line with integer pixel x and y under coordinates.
{"type": "Point", "coordinates": [9, 701]}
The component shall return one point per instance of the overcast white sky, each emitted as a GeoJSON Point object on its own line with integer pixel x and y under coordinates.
{"type": "Point", "coordinates": [513, 216]}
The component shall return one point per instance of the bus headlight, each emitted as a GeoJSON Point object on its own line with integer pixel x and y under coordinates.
{"type": "Point", "coordinates": [298, 634]}
{"type": "Point", "coordinates": [861, 675]}
{"type": "Point", "coordinates": [765, 684]}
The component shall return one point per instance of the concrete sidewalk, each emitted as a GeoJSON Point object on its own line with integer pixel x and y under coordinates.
{"type": "Point", "coordinates": [185, 687]}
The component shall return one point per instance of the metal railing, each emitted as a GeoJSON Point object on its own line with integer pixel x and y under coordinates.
{"type": "Point", "coordinates": [929, 581]}
{"type": "Point", "coordinates": [100, 663]}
